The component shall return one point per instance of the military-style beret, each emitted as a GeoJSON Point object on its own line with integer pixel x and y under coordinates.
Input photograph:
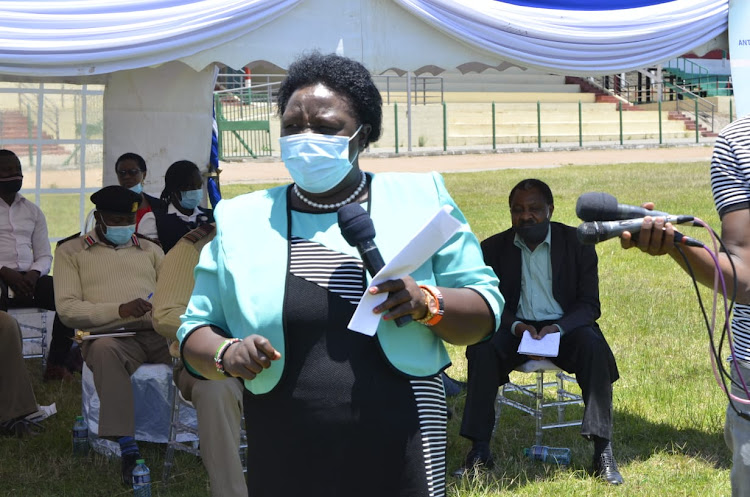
{"type": "Point", "coordinates": [116, 198]}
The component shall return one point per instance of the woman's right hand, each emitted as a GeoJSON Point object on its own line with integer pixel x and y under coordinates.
{"type": "Point", "coordinates": [249, 357]}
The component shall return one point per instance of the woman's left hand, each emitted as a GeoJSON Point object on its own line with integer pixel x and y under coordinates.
{"type": "Point", "coordinates": [404, 298]}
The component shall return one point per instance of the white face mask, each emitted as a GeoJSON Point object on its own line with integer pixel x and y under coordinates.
{"type": "Point", "coordinates": [317, 163]}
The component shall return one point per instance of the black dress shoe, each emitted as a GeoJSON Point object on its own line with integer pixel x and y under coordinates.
{"type": "Point", "coordinates": [605, 467]}
{"type": "Point", "coordinates": [479, 457]}
{"type": "Point", "coordinates": [128, 465]}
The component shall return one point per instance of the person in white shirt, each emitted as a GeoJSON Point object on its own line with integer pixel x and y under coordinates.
{"type": "Point", "coordinates": [26, 259]}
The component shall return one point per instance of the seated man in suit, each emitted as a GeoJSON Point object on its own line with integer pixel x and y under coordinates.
{"type": "Point", "coordinates": [217, 402]}
{"type": "Point", "coordinates": [103, 283]}
{"type": "Point", "coordinates": [550, 283]}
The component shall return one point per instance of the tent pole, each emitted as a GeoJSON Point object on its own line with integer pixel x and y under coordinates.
{"type": "Point", "coordinates": [408, 110]}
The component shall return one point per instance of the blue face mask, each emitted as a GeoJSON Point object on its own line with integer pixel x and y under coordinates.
{"type": "Point", "coordinates": [119, 235]}
{"type": "Point", "coordinates": [137, 188]}
{"type": "Point", "coordinates": [191, 199]}
{"type": "Point", "coordinates": [317, 163]}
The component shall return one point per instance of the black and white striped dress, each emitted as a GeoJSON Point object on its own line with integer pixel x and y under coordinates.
{"type": "Point", "coordinates": [353, 424]}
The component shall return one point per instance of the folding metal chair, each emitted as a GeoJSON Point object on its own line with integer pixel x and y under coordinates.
{"type": "Point", "coordinates": [535, 392]}
{"type": "Point", "coordinates": [178, 428]}
{"type": "Point", "coordinates": [33, 324]}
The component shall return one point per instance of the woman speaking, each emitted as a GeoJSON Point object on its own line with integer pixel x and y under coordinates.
{"type": "Point", "coordinates": [330, 411]}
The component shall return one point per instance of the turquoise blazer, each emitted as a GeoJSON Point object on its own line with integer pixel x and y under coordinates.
{"type": "Point", "coordinates": [239, 281]}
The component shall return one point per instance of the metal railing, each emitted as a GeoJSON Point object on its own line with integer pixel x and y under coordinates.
{"type": "Point", "coordinates": [613, 85]}
{"type": "Point", "coordinates": [243, 116]}
{"type": "Point", "coordinates": [709, 86]}
{"type": "Point", "coordinates": [689, 102]}
{"type": "Point", "coordinates": [425, 89]}
{"type": "Point", "coordinates": [543, 124]}
{"type": "Point", "coordinates": [29, 104]}
{"type": "Point", "coordinates": [686, 66]}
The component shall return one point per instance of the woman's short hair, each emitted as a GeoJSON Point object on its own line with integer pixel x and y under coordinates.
{"type": "Point", "coordinates": [179, 177]}
{"type": "Point", "coordinates": [342, 75]}
{"type": "Point", "coordinates": [533, 184]}
{"type": "Point", "coordinates": [134, 157]}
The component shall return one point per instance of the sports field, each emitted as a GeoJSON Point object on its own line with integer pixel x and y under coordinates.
{"type": "Point", "coordinates": [668, 411]}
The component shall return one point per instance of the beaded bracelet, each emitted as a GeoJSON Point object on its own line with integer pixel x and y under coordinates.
{"type": "Point", "coordinates": [219, 356]}
{"type": "Point", "coordinates": [434, 303]}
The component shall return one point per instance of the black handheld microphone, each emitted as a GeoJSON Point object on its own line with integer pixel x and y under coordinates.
{"type": "Point", "coordinates": [600, 206]}
{"type": "Point", "coordinates": [593, 232]}
{"type": "Point", "coordinates": [358, 231]}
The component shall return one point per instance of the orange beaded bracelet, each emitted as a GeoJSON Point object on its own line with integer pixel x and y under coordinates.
{"type": "Point", "coordinates": [434, 303]}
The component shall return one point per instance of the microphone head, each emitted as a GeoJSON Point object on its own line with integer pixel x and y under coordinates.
{"type": "Point", "coordinates": [596, 206]}
{"type": "Point", "coordinates": [588, 233]}
{"type": "Point", "coordinates": [355, 224]}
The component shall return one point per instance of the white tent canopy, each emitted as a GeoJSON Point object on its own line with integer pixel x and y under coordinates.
{"type": "Point", "coordinates": [157, 57]}
{"type": "Point", "coordinates": [43, 38]}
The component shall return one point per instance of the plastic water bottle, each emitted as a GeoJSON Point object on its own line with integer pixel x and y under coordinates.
{"type": "Point", "coordinates": [80, 438]}
{"type": "Point", "coordinates": [141, 479]}
{"type": "Point", "coordinates": [556, 455]}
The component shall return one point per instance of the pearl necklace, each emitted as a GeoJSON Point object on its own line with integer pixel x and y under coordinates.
{"type": "Point", "coordinates": [348, 199]}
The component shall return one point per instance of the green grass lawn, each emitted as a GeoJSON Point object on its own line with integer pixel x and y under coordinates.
{"type": "Point", "coordinates": [668, 411]}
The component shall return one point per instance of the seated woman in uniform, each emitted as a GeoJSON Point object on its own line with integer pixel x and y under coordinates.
{"type": "Point", "coordinates": [183, 192]}
{"type": "Point", "coordinates": [131, 173]}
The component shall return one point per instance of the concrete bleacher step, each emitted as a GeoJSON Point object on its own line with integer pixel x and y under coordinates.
{"type": "Point", "coordinates": [553, 128]}
{"type": "Point", "coordinates": [16, 126]}
{"type": "Point", "coordinates": [510, 76]}
{"type": "Point", "coordinates": [480, 140]}
{"type": "Point", "coordinates": [433, 97]}
{"type": "Point", "coordinates": [486, 107]}
{"type": "Point", "coordinates": [556, 117]}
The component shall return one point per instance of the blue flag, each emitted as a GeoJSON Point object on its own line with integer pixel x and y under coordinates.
{"type": "Point", "coordinates": [212, 185]}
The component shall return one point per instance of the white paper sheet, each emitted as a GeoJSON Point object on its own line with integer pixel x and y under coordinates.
{"type": "Point", "coordinates": [420, 248]}
{"type": "Point", "coordinates": [547, 346]}
{"type": "Point", "coordinates": [119, 334]}
{"type": "Point", "coordinates": [43, 412]}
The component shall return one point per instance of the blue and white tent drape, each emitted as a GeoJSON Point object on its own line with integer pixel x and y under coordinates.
{"type": "Point", "coordinates": [91, 37]}
{"type": "Point", "coordinates": [578, 36]}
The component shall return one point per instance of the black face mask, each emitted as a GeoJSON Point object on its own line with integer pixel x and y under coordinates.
{"type": "Point", "coordinates": [12, 186]}
{"type": "Point", "coordinates": [533, 234]}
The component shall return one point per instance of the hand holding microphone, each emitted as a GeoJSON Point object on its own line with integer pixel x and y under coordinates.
{"type": "Point", "coordinates": [358, 231]}
{"type": "Point", "coordinates": [605, 219]}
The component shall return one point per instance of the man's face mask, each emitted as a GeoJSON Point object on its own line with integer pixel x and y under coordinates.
{"type": "Point", "coordinates": [533, 234]}
{"type": "Point", "coordinates": [11, 184]}
{"type": "Point", "coordinates": [119, 235]}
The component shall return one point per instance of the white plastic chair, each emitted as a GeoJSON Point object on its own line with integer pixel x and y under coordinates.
{"type": "Point", "coordinates": [152, 390]}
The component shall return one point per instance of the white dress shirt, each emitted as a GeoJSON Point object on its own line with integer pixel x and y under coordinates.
{"type": "Point", "coordinates": [24, 243]}
{"type": "Point", "coordinates": [188, 219]}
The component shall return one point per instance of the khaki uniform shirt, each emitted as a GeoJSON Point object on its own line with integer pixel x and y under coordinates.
{"type": "Point", "coordinates": [92, 279]}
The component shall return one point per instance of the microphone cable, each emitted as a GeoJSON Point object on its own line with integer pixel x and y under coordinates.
{"type": "Point", "coordinates": [720, 372]}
